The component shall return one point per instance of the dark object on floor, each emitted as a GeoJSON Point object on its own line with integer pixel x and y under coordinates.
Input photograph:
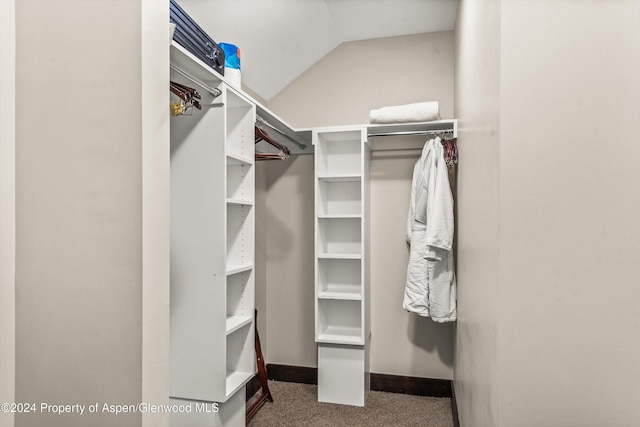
{"type": "Point", "coordinates": [262, 375]}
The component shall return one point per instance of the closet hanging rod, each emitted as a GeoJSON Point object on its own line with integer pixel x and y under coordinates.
{"type": "Point", "coordinates": [215, 92]}
{"type": "Point", "coordinates": [260, 120]}
{"type": "Point", "coordinates": [214, 105]}
{"type": "Point", "coordinates": [399, 149]}
{"type": "Point", "coordinates": [420, 132]}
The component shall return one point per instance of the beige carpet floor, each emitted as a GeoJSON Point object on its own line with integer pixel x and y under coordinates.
{"type": "Point", "coordinates": [297, 405]}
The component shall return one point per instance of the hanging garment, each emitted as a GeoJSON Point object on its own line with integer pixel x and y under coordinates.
{"type": "Point", "coordinates": [431, 287]}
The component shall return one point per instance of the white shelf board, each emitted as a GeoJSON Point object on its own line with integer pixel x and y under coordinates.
{"type": "Point", "coordinates": [339, 132]}
{"type": "Point", "coordinates": [238, 159]}
{"type": "Point", "coordinates": [185, 61]}
{"type": "Point", "coordinates": [235, 380]}
{"type": "Point", "coordinates": [240, 202]}
{"type": "Point", "coordinates": [340, 178]}
{"type": "Point", "coordinates": [341, 292]}
{"type": "Point", "coordinates": [335, 255]}
{"type": "Point", "coordinates": [236, 322]}
{"type": "Point", "coordinates": [396, 128]}
{"type": "Point", "coordinates": [340, 335]}
{"type": "Point", "coordinates": [345, 216]}
{"type": "Point", "coordinates": [238, 268]}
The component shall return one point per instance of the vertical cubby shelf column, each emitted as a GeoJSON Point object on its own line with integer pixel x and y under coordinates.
{"type": "Point", "coordinates": [212, 256]}
{"type": "Point", "coordinates": [240, 242]}
{"type": "Point", "coordinates": [342, 156]}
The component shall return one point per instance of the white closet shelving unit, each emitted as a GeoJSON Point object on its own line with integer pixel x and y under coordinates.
{"type": "Point", "coordinates": [212, 248]}
{"type": "Point", "coordinates": [342, 158]}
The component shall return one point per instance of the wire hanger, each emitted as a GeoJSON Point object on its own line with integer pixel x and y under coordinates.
{"type": "Point", "coordinates": [450, 146]}
{"type": "Point", "coordinates": [262, 135]}
{"type": "Point", "coordinates": [263, 124]}
{"type": "Point", "coordinates": [188, 97]}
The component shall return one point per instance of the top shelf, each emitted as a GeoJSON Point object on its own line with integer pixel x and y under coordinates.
{"type": "Point", "coordinates": [184, 61]}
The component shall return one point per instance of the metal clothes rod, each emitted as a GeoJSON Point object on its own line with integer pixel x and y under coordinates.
{"type": "Point", "coordinates": [215, 92]}
{"type": "Point", "coordinates": [398, 149]}
{"type": "Point", "coordinates": [264, 122]}
{"type": "Point", "coordinates": [421, 132]}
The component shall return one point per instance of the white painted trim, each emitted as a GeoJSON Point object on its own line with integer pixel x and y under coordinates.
{"type": "Point", "coordinates": [7, 206]}
{"type": "Point", "coordinates": [155, 208]}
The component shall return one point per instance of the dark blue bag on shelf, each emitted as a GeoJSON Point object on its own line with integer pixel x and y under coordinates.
{"type": "Point", "coordinates": [193, 38]}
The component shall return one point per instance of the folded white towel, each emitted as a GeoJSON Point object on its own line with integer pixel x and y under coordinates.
{"type": "Point", "coordinates": [408, 113]}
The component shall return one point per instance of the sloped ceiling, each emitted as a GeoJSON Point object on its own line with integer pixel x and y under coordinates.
{"type": "Point", "coordinates": [280, 39]}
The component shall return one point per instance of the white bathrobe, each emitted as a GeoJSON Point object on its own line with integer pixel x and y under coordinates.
{"type": "Point", "coordinates": [431, 286]}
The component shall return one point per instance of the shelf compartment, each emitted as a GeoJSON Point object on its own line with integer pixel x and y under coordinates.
{"type": "Point", "coordinates": [339, 153]}
{"type": "Point", "coordinates": [240, 295]}
{"type": "Point", "coordinates": [339, 322]}
{"type": "Point", "coordinates": [339, 236]}
{"type": "Point", "coordinates": [240, 180]}
{"type": "Point", "coordinates": [240, 126]}
{"type": "Point", "coordinates": [241, 363]}
{"type": "Point", "coordinates": [339, 197]}
{"type": "Point", "coordinates": [339, 279]}
{"type": "Point", "coordinates": [235, 380]}
{"type": "Point", "coordinates": [240, 235]}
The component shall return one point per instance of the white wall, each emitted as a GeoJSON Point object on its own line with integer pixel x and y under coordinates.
{"type": "Point", "coordinates": [155, 145]}
{"type": "Point", "coordinates": [91, 203]}
{"type": "Point", "coordinates": [477, 109]}
{"type": "Point", "coordinates": [341, 89]}
{"type": "Point", "coordinates": [289, 262]}
{"type": "Point", "coordinates": [570, 239]}
{"type": "Point", "coordinates": [357, 76]}
{"type": "Point", "coordinates": [566, 285]}
{"type": "Point", "coordinates": [7, 207]}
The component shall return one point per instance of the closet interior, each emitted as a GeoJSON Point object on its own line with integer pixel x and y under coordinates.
{"type": "Point", "coordinates": [213, 155]}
